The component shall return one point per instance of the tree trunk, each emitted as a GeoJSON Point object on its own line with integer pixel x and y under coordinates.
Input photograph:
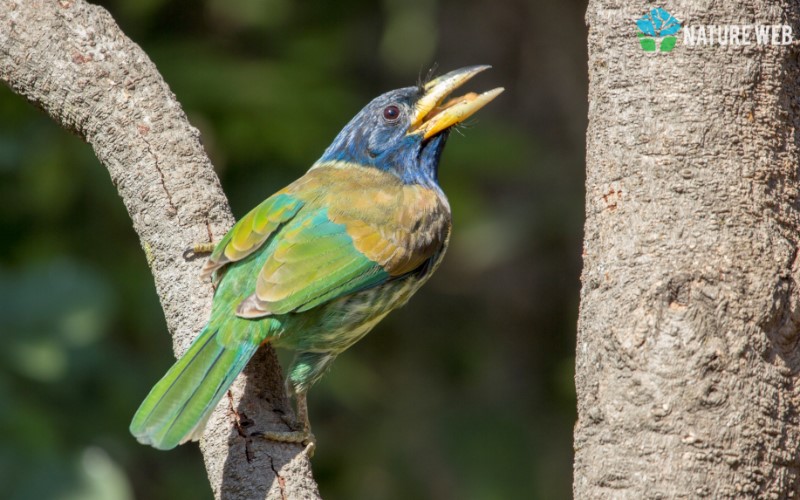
{"type": "Point", "coordinates": [687, 352]}
{"type": "Point", "coordinates": [71, 59]}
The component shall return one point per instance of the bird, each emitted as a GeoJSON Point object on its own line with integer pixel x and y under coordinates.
{"type": "Point", "coordinates": [317, 265]}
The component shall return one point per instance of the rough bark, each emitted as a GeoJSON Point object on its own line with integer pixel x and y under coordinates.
{"type": "Point", "coordinates": [687, 352]}
{"type": "Point", "coordinates": [70, 59]}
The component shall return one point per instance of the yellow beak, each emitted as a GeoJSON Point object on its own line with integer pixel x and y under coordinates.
{"type": "Point", "coordinates": [431, 116]}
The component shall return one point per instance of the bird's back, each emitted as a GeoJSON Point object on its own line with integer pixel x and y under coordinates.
{"type": "Point", "coordinates": [403, 229]}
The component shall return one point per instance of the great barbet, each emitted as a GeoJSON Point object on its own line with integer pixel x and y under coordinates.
{"type": "Point", "coordinates": [318, 264]}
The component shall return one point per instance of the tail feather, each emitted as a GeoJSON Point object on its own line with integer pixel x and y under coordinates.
{"type": "Point", "coordinates": [178, 406]}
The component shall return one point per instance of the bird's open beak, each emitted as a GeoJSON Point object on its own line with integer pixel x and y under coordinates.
{"type": "Point", "coordinates": [432, 114]}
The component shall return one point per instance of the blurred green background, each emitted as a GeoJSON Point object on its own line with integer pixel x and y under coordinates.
{"type": "Point", "coordinates": [466, 393]}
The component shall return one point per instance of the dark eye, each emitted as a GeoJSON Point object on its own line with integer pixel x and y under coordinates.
{"type": "Point", "coordinates": [391, 113]}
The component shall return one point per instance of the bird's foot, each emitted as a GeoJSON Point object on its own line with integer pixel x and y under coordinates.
{"type": "Point", "coordinates": [193, 251]}
{"type": "Point", "coordinates": [300, 432]}
{"type": "Point", "coordinates": [304, 437]}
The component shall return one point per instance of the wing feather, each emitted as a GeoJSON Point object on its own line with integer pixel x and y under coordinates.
{"type": "Point", "coordinates": [313, 261]}
{"type": "Point", "coordinates": [252, 231]}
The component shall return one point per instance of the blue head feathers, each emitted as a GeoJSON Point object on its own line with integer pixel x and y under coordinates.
{"type": "Point", "coordinates": [404, 131]}
{"type": "Point", "coordinates": [379, 136]}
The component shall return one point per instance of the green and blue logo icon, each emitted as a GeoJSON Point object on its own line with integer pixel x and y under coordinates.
{"type": "Point", "coordinates": [657, 31]}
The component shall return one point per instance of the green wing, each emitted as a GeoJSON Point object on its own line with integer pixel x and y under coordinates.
{"type": "Point", "coordinates": [252, 231]}
{"type": "Point", "coordinates": [312, 261]}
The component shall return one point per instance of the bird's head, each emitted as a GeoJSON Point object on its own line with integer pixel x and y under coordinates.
{"type": "Point", "coordinates": [404, 131]}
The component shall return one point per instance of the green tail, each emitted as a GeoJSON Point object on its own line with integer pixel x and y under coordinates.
{"type": "Point", "coordinates": [179, 405]}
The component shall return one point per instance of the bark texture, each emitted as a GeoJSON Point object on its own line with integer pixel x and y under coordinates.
{"type": "Point", "coordinates": [687, 352]}
{"type": "Point", "coordinates": [70, 59]}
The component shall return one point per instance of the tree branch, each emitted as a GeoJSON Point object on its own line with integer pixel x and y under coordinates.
{"type": "Point", "coordinates": [71, 59]}
{"type": "Point", "coordinates": [687, 364]}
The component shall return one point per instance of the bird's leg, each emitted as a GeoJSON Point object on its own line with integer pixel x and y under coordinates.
{"type": "Point", "coordinates": [306, 369]}
{"type": "Point", "coordinates": [302, 429]}
{"type": "Point", "coordinates": [310, 441]}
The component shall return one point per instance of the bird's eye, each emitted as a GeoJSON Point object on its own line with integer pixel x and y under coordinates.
{"type": "Point", "coordinates": [391, 113]}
